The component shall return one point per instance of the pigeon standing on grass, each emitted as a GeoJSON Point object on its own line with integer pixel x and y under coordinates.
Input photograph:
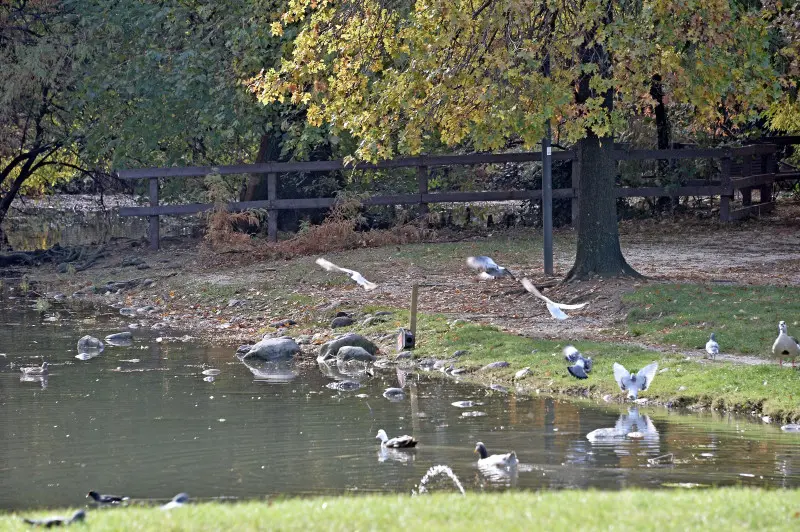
{"type": "Point", "coordinates": [632, 382]}
{"type": "Point", "coordinates": [580, 365]}
{"type": "Point", "coordinates": [712, 347]}
{"type": "Point", "coordinates": [488, 268]}
{"type": "Point", "coordinates": [354, 275]}
{"type": "Point", "coordinates": [785, 345]}
{"type": "Point", "coordinates": [552, 306]}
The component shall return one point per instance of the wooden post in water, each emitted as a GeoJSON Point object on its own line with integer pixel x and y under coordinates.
{"type": "Point", "coordinates": [154, 230]}
{"type": "Point", "coordinates": [414, 298]}
{"type": "Point", "coordinates": [272, 214]}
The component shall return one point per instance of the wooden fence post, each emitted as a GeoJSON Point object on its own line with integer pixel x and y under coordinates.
{"type": "Point", "coordinates": [576, 180]}
{"type": "Point", "coordinates": [768, 166]}
{"type": "Point", "coordinates": [272, 214]}
{"type": "Point", "coordinates": [154, 225]}
{"type": "Point", "coordinates": [747, 170]}
{"type": "Point", "coordinates": [422, 179]}
{"type": "Point", "coordinates": [726, 195]}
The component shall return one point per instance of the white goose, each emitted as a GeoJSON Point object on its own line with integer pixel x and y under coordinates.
{"type": "Point", "coordinates": [785, 345]}
{"type": "Point", "coordinates": [495, 460]}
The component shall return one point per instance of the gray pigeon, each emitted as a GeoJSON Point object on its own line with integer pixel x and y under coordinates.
{"type": "Point", "coordinates": [580, 365]}
{"type": "Point", "coordinates": [632, 382]}
{"type": "Point", "coordinates": [488, 268]}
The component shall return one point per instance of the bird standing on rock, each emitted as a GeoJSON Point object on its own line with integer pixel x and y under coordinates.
{"type": "Point", "coordinates": [785, 345]}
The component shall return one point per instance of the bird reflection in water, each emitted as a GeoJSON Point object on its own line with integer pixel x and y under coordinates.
{"type": "Point", "coordinates": [629, 426]}
{"type": "Point", "coordinates": [270, 372]}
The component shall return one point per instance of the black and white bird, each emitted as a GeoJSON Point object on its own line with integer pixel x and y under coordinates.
{"type": "Point", "coordinates": [176, 502]}
{"type": "Point", "coordinates": [495, 460]}
{"type": "Point", "coordinates": [488, 268]}
{"type": "Point", "coordinates": [580, 366]}
{"type": "Point", "coordinates": [785, 345]}
{"type": "Point", "coordinates": [105, 499]}
{"type": "Point", "coordinates": [401, 442]}
{"type": "Point", "coordinates": [633, 383]}
{"type": "Point", "coordinates": [354, 275]}
{"type": "Point", "coordinates": [554, 308]}
{"type": "Point", "coordinates": [712, 347]}
{"type": "Point", "coordinates": [48, 522]}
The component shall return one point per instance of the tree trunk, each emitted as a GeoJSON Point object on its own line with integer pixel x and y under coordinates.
{"type": "Point", "coordinates": [257, 183]}
{"type": "Point", "coordinates": [664, 138]}
{"type": "Point", "coordinates": [598, 250]}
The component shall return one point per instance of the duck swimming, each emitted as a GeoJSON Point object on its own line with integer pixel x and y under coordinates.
{"type": "Point", "coordinates": [35, 370]}
{"type": "Point", "coordinates": [496, 460]}
{"type": "Point", "coordinates": [401, 442]}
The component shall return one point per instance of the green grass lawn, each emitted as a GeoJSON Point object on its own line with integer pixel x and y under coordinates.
{"type": "Point", "coordinates": [712, 509]}
{"type": "Point", "coordinates": [762, 389]}
{"type": "Point", "coordinates": [745, 318]}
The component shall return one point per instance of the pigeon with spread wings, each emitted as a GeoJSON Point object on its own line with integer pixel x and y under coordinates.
{"type": "Point", "coordinates": [552, 306]}
{"type": "Point", "coordinates": [488, 268]}
{"type": "Point", "coordinates": [633, 382]}
{"type": "Point", "coordinates": [354, 275]}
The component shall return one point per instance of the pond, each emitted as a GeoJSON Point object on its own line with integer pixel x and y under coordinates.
{"type": "Point", "coordinates": [144, 421]}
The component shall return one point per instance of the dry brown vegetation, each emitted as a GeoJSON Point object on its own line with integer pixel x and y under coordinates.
{"type": "Point", "coordinates": [337, 233]}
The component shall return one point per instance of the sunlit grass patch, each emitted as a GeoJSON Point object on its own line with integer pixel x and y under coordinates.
{"type": "Point", "coordinates": [745, 318]}
{"type": "Point", "coordinates": [668, 509]}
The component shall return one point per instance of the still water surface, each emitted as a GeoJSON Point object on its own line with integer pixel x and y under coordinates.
{"type": "Point", "coordinates": [153, 428]}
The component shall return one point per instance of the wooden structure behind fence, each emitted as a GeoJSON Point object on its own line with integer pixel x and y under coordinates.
{"type": "Point", "coordinates": [741, 169]}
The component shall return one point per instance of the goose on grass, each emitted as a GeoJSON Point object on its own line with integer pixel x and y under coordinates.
{"type": "Point", "coordinates": [785, 345]}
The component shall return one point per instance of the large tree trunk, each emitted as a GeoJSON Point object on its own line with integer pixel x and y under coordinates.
{"type": "Point", "coordinates": [598, 250]}
{"type": "Point", "coordinates": [268, 150]}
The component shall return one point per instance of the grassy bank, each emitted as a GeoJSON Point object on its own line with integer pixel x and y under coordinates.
{"type": "Point", "coordinates": [681, 381]}
{"type": "Point", "coordinates": [745, 318]}
{"type": "Point", "coordinates": [715, 509]}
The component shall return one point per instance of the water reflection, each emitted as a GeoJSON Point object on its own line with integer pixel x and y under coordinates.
{"type": "Point", "coordinates": [152, 427]}
{"type": "Point", "coordinates": [270, 372]}
{"type": "Point", "coordinates": [41, 379]}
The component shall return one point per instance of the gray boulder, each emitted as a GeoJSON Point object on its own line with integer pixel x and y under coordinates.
{"type": "Point", "coordinates": [331, 349]}
{"type": "Point", "coordinates": [354, 352]}
{"type": "Point", "coordinates": [90, 345]}
{"type": "Point", "coordinates": [274, 349]}
{"type": "Point", "coordinates": [341, 321]}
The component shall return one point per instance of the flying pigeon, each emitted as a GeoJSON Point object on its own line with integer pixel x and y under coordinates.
{"type": "Point", "coordinates": [488, 268]}
{"type": "Point", "coordinates": [176, 502]}
{"type": "Point", "coordinates": [552, 306]}
{"type": "Point", "coordinates": [712, 347]}
{"type": "Point", "coordinates": [580, 365]}
{"type": "Point", "coordinates": [785, 345]}
{"type": "Point", "coordinates": [633, 383]}
{"type": "Point", "coordinates": [357, 277]}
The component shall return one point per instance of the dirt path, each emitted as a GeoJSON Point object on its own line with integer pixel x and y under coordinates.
{"type": "Point", "coordinates": [195, 286]}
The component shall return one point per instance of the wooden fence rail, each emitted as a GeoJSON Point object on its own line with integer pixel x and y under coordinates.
{"type": "Point", "coordinates": [757, 170]}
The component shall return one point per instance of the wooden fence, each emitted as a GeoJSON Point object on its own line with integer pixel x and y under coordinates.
{"type": "Point", "coordinates": [744, 169]}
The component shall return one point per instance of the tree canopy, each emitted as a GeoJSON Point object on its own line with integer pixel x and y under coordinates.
{"type": "Point", "coordinates": [397, 73]}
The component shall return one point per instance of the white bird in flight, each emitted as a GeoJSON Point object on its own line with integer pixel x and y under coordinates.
{"type": "Point", "coordinates": [552, 306]}
{"type": "Point", "coordinates": [489, 268]}
{"type": "Point", "coordinates": [354, 275]}
{"type": "Point", "coordinates": [634, 383]}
